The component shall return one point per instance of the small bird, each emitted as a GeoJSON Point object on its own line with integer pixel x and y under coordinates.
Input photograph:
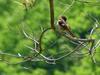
{"type": "Point", "coordinates": [63, 25]}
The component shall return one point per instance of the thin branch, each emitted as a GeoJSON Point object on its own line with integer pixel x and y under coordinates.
{"type": "Point", "coordinates": [40, 40]}
{"type": "Point", "coordinates": [12, 55]}
{"type": "Point", "coordinates": [96, 45]}
{"type": "Point", "coordinates": [55, 59]}
{"type": "Point", "coordinates": [96, 2]}
{"type": "Point", "coordinates": [94, 28]}
{"type": "Point", "coordinates": [70, 52]}
{"type": "Point", "coordinates": [68, 7]}
{"type": "Point", "coordinates": [26, 35]}
{"type": "Point", "coordinates": [77, 39]}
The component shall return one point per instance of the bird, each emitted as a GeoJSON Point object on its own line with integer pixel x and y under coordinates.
{"type": "Point", "coordinates": [63, 25]}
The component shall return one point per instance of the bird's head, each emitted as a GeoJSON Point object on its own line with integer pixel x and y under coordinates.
{"type": "Point", "coordinates": [63, 17]}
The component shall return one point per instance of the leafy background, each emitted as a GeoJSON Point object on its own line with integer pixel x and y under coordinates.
{"type": "Point", "coordinates": [80, 17]}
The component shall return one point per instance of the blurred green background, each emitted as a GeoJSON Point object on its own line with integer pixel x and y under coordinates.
{"type": "Point", "coordinates": [81, 17]}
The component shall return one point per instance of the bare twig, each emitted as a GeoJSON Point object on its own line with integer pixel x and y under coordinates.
{"type": "Point", "coordinates": [12, 55]}
{"type": "Point", "coordinates": [68, 7]}
{"type": "Point", "coordinates": [40, 40]}
{"type": "Point", "coordinates": [26, 35]}
{"type": "Point", "coordinates": [55, 59]}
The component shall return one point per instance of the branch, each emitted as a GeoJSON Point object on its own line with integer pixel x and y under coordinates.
{"type": "Point", "coordinates": [52, 13]}
{"type": "Point", "coordinates": [40, 39]}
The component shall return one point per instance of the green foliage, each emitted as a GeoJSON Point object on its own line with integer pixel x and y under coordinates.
{"type": "Point", "coordinates": [80, 17]}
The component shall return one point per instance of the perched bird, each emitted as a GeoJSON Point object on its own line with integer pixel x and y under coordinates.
{"type": "Point", "coordinates": [63, 26]}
